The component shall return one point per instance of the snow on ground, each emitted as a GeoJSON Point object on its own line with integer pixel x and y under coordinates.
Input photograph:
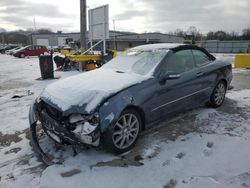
{"type": "Point", "coordinates": [224, 57]}
{"type": "Point", "coordinates": [241, 70]}
{"type": "Point", "coordinates": [18, 78]}
{"type": "Point", "coordinates": [214, 152]}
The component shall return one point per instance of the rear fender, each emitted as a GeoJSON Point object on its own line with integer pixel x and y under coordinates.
{"type": "Point", "coordinates": [225, 74]}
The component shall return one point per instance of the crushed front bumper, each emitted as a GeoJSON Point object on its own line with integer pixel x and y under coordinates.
{"type": "Point", "coordinates": [61, 134]}
{"type": "Point", "coordinates": [57, 132]}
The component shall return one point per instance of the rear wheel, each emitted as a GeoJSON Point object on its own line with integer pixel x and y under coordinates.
{"type": "Point", "coordinates": [218, 96]}
{"type": "Point", "coordinates": [123, 134]}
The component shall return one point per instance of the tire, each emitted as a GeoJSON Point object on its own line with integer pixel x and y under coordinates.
{"type": "Point", "coordinates": [119, 138]}
{"type": "Point", "coordinates": [218, 96]}
{"type": "Point", "coordinates": [22, 55]}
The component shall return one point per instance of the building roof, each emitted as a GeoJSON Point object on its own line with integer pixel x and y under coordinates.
{"type": "Point", "coordinates": [117, 34]}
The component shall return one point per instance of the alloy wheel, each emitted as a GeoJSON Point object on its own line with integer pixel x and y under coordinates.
{"type": "Point", "coordinates": [126, 131]}
{"type": "Point", "coordinates": [219, 93]}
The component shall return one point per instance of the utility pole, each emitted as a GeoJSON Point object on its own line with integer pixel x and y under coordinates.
{"type": "Point", "coordinates": [3, 42]}
{"type": "Point", "coordinates": [83, 25]}
{"type": "Point", "coordinates": [34, 21]}
{"type": "Point", "coordinates": [114, 35]}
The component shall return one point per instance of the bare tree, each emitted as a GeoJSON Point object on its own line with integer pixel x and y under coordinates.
{"type": "Point", "coordinates": [246, 34]}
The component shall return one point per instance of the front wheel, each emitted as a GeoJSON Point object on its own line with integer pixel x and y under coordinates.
{"type": "Point", "coordinates": [22, 55]}
{"type": "Point", "coordinates": [218, 96]}
{"type": "Point", "coordinates": [123, 134]}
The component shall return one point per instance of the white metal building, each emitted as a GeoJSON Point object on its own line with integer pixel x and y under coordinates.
{"type": "Point", "coordinates": [119, 40]}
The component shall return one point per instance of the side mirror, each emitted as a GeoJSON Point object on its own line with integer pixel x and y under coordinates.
{"type": "Point", "coordinates": [169, 76]}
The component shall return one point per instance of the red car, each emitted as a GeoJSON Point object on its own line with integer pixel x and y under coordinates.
{"type": "Point", "coordinates": [31, 50]}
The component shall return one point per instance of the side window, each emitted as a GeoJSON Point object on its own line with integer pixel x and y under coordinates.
{"type": "Point", "coordinates": [180, 61]}
{"type": "Point", "coordinates": [200, 58]}
{"type": "Point", "coordinates": [31, 48]}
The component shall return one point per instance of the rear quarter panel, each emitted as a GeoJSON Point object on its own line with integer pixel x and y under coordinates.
{"type": "Point", "coordinates": [215, 72]}
{"type": "Point", "coordinates": [223, 71]}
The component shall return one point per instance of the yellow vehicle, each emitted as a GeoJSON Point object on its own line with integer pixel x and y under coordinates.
{"type": "Point", "coordinates": [67, 51]}
{"type": "Point", "coordinates": [242, 61]}
{"type": "Point", "coordinates": [91, 61]}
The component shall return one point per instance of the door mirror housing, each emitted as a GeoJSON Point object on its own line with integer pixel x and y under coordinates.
{"type": "Point", "coordinates": [169, 76]}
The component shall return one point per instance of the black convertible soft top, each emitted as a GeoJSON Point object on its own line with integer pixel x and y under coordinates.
{"type": "Point", "coordinates": [188, 46]}
{"type": "Point", "coordinates": [172, 46]}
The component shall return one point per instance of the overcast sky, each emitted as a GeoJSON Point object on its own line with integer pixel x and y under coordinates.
{"type": "Point", "coordinates": [129, 15]}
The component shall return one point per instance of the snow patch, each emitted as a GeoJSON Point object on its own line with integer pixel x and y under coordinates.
{"type": "Point", "coordinates": [110, 117]}
{"type": "Point", "coordinates": [242, 97]}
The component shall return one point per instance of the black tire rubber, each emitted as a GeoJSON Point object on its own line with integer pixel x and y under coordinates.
{"type": "Point", "coordinates": [212, 102]}
{"type": "Point", "coordinates": [106, 138]}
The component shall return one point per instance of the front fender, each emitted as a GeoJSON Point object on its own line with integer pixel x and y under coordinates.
{"type": "Point", "coordinates": [110, 110]}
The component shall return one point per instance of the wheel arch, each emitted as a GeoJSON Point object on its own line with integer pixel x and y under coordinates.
{"type": "Point", "coordinates": [140, 111]}
{"type": "Point", "coordinates": [106, 135]}
{"type": "Point", "coordinates": [223, 80]}
{"type": "Point", "coordinates": [115, 106]}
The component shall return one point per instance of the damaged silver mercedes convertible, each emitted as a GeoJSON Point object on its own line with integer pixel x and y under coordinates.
{"type": "Point", "coordinates": [137, 89]}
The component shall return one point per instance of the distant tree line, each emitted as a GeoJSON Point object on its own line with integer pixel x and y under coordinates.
{"type": "Point", "coordinates": [19, 36]}
{"type": "Point", "coordinates": [222, 35]}
{"type": "Point", "coordinates": [13, 38]}
{"type": "Point", "coordinates": [193, 33]}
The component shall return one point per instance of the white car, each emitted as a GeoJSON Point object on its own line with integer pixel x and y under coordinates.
{"type": "Point", "coordinates": [12, 51]}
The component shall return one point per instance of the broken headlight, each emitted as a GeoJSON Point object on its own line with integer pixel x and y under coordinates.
{"type": "Point", "coordinates": [74, 118]}
{"type": "Point", "coordinates": [83, 126]}
{"type": "Point", "coordinates": [86, 133]}
{"type": "Point", "coordinates": [92, 118]}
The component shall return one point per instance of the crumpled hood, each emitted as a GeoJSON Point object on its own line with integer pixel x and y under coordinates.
{"type": "Point", "coordinates": [88, 89]}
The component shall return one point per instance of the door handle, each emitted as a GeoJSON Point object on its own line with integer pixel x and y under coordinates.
{"type": "Point", "coordinates": [199, 74]}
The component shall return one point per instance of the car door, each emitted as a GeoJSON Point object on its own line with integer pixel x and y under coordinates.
{"type": "Point", "coordinates": [205, 72]}
{"type": "Point", "coordinates": [36, 50]}
{"type": "Point", "coordinates": [176, 94]}
{"type": "Point", "coordinates": [30, 51]}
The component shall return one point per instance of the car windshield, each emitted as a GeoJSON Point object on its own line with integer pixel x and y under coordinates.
{"type": "Point", "coordinates": [137, 61]}
{"type": "Point", "coordinates": [24, 47]}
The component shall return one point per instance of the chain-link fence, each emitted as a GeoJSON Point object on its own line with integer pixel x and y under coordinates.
{"type": "Point", "coordinates": [215, 46]}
